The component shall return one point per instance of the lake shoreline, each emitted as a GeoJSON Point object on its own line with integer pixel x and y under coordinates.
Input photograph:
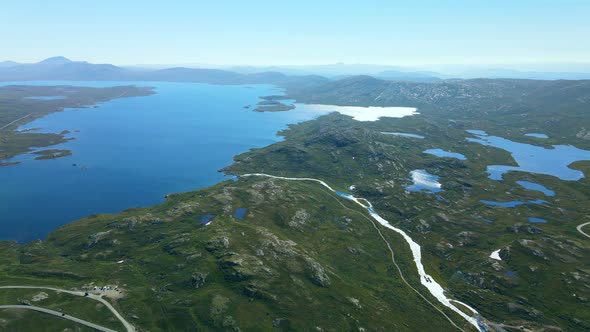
{"type": "Point", "coordinates": [30, 99]}
{"type": "Point", "coordinates": [70, 156]}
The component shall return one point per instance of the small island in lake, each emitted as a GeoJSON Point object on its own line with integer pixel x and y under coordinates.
{"type": "Point", "coordinates": [21, 104]}
{"type": "Point", "coordinates": [272, 106]}
{"type": "Point", "coordinates": [51, 154]}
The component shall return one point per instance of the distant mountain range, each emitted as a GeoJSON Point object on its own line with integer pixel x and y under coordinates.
{"type": "Point", "coordinates": [4, 64]}
{"type": "Point", "coordinates": [518, 74]}
{"type": "Point", "coordinates": [454, 94]}
{"type": "Point", "coordinates": [61, 68]}
{"type": "Point", "coordinates": [341, 70]}
{"type": "Point", "coordinates": [396, 73]}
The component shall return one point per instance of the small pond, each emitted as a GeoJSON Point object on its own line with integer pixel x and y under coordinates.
{"type": "Point", "coordinates": [442, 153]}
{"type": "Point", "coordinates": [553, 161]}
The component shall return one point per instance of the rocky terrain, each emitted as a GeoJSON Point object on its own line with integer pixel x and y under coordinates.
{"type": "Point", "coordinates": [304, 259]}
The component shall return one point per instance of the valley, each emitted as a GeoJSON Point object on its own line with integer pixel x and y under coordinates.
{"type": "Point", "coordinates": [261, 246]}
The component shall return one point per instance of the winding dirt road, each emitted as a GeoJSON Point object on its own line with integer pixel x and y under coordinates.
{"type": "Point", "coordinates": [426, 280]}
{"type": "Point", "coordinates": [579, 228]}
{"type": "Point", "coordinates": [58, 314]}
{"type": "Point", "coordinates": [128, 326]}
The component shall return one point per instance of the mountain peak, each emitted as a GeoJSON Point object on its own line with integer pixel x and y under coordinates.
{"type": "Point", "coordinates": [56, 60]}
{"type": "Point", "coordinates": [7, 64]}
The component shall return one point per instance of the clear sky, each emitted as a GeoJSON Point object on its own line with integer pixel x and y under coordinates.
{"type": "Point", "coordinates": [297, 32]}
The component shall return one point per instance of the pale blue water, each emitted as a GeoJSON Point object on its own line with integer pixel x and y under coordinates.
{"type": "Point", "coordinates": [477, 132]}
{"type": "Point", "coordinates": [341, 194]}
{"type": "Point", "coordinates": [512, 204]}
{"type": "Point", "coordinates": [537, 135]}
{"type": "Point", "coordinates": [534, 159]}
{"type": "Point", "coordinates": [403, 134]}
{"type": "Point", "coordinates": [536, 187]}
{"type": "Point", "coordinates": [442, 153]}
{"type": "Point", "coordinates": [130, 152]}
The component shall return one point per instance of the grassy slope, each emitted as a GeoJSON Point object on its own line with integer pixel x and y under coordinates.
{"type": "Point", "coordinates": [14, 320]}
{"type": "Point", "coordinates": [298, 261]}
{"type": "Point", "coordinates": [547, 257]}
{"type": "Point", "coordinates": [271, 269]}
{"type": "Point", "coordinates": [71, 305]}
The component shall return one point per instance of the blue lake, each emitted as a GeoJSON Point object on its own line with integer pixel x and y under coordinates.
{"type": "Point", "coordinates": [536, 187]}
{"type": "Point", "coordinates": [511, 204]}
{"type": "Point", "coordinates": [206, 218]}
{"type": "Point", "coordinates": [240, 213]}
{"type": "Point", "coordinates": [130, 152]}
{"type": "Point", "coordinates": [477, 132]}
{"type": "Point", "coordinates": [442, 153]}
{"type": "Point", "coordinates": [537, 220]}
{"type": "Point", "coordinates": [532, 158]}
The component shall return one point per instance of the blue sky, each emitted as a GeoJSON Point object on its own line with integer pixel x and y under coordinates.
{"type": "Point", "coordinates": [405, 33]}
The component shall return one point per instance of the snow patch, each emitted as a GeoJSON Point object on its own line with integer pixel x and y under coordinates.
{"type": "Point", "coordinates": [420, 177]}
{"type": "Point", "coordinates": [371, 113]}
{"type": "Point", "coordinates": [496, 255]}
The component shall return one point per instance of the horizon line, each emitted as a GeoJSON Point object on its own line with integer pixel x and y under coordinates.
{"type": "Point", "coordinates": [423, 66]}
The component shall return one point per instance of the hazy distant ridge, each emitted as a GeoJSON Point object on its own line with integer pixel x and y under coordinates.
{"type": "Point", "coordinates": [62, 68]}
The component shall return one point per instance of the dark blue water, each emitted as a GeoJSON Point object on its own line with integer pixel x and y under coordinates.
{"type": "Point", "coordinates": [130, 152]}
{"type": "Point", "coordinates": [532, 158]}
{"type": "Point", "coordinates": [512, 204]}
{"type": "Point", "coordinates": [537, 220]}
{"type": "Point", "coordinates": [442, 153]}
{"type": "Point", "coordinates": [206, 218]}
{"type": "Point", "coordinates": [511, 274]}
{"type": "Point", "coordinates": [240, 213]}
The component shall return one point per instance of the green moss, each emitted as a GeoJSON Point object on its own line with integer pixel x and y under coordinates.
{"type": "Point", "coordinates": [304, 258]}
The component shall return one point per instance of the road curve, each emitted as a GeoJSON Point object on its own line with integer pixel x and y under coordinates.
{"type": "Point", "coordinates": [579, 228]}
{"type": "Point", "coordinates": [426, 280]}
{"type": "Point", "coordinates": [128, 326]}
{"type": "Point", "coordinates": [58, 314]}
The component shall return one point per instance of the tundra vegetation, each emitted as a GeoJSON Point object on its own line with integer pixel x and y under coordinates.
{"type": "Point", "coordinates": [303, 258]}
